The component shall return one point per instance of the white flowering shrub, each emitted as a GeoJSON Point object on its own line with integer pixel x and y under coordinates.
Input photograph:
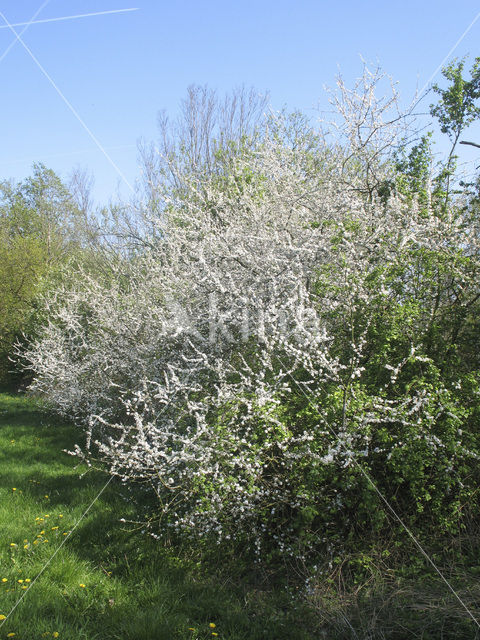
{"type": "Point", "coordinates": [285, 325]}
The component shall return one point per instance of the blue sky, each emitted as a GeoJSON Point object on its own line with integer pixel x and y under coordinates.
{"type": "Point", "coordinates": [118, 70]}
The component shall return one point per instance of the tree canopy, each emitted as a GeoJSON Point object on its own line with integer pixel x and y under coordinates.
{"type": "Point", "coordinates": [41, 228]}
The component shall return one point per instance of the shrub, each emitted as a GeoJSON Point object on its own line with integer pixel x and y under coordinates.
{"type": "Point", "coordinates": [284, 336]}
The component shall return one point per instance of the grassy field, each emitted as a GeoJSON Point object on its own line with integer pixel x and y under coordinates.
{"type": "Point", "coordinates": [106, 580]}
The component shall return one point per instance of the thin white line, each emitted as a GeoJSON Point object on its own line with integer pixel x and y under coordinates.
{"type": "Point", "coordinates": [377, 490]}
{"type": "Point", "coordinates": [69, 105]}
{"type": "Point", "coordinates": [5, 53]}
{"type": "Point", "coordinates": [449, 54]}
{"type": "Point", "coordinates": [56, 551]}
{"type": "Point", "coordinates": [61, 18]}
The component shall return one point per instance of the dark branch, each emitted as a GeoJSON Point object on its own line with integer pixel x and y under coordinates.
{"type": "Point", "coordinates": [473, 144]}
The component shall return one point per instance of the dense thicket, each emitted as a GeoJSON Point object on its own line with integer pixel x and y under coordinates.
{"type": "Point", "coordinates": [291, 324]}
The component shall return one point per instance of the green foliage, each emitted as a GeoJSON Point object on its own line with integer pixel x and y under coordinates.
{"type": "Point", "coordinates": [414, 170]}
{"type": "Point", "coordinates": [457, 107]}
{"type": "Point", "coordinates": [40, 230]}
{"type": "Point", "coordinates": [23, 263]}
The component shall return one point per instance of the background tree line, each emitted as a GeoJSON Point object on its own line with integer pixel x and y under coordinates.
{"type": "Point", "coordinates": [45, 224]}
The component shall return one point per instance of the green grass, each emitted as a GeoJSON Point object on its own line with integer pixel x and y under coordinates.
{"type": "Point", "coordinates": [135, 587]}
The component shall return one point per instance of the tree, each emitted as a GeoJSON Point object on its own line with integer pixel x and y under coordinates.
{"type": "Point", "coordinates": [41, 227]}
{"type": "Point", "coordinates": [457, 108]}
{"type": "Point", "coordinates": [204, 140]}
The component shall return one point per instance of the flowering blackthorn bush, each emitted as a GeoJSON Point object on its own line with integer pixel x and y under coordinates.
{"type": "Point", "coordinates": [295, 312]}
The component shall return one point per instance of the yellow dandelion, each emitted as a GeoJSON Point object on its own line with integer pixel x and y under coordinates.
{"type": "Point", "coordinates": [54, 528]}
{"type": "Point", "coordinates": [10, 635]}
{"type": "Point", "coordinates": [36, 541]}
{"type": "Point", "coordinates": [20, 581]}
{"type": "Point", "coordinates": [14, 488]}
{"type": "Point", "coordinates": [41, 533]}
{"type": "Point", "coordinates": [65, 534]}
{"type": "Point", "coordinates": [13, 544]}
{"type": "Point", "coordinates": [212, 625]}
{"type": "Point", "coordinates": [27, 580]}
{"type": "Point", "coordinates": [46, 497]}
{"type": "Point", "coordinates": [25, 546]}
{"type": "Point", "coordinates": [82, 585]}
{"type": "Point", "coordinates": [24, 586]}
{"type": "Point", "coordinates": [46, 515]}
{"type": "Point", "coordinates": [60, 515]}
{"type": "Point", "coordinates": [191, 629]}
{"type": "Point", "coordinates": [55, 634]}
{"type": "Point", "coordinates": [4, 579]}
{"type": "Point", "coordinates": [2, 617]}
